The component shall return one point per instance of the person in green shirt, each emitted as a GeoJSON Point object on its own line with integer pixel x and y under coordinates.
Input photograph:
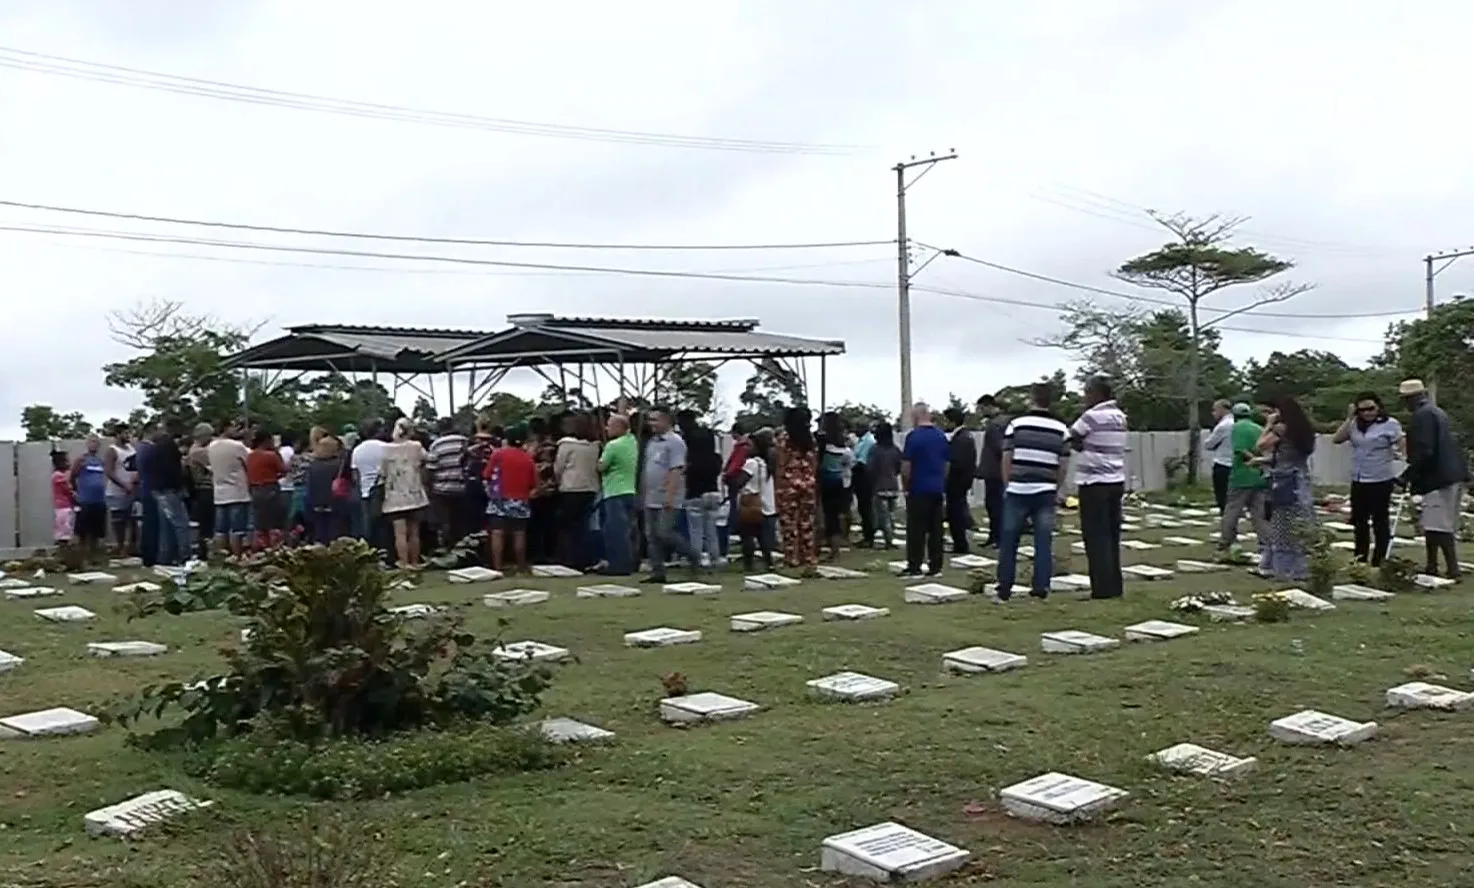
{"type": "Point", "coordinates": [617, 467]}
{"type": "Point", "coordinates": [1247, 486]}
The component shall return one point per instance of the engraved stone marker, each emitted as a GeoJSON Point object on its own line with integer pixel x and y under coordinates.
{"type": "Point", "coordinates": [1353, 592]}
{"type": "Point", "coordinates": [126, 649]}
{"type": "Point", "coordinates": [9, 661]}
{"type": "Point", "coordinates": [1060, 798]}
{"type": "Point", "coordinates": [607, 590]}
{"type": "Point", "coordinates": [854, 686]}
{"type": "Point", "coordinates": [473, 575]}
{"type": "Point", "coordinates": [1072, 641]}
{"type": "Point", "coordinates": [1427, 581]}
{"type": "Point", "coordinates": [140, 586]}
{"type": "Point", "coordinates": [1186, 565]}
{"type": "Point", "coordinates": [693, 588]}
{"type": "Point", "coordinates": [890, 852]}
{"type": "Point", "coordinates": [1069, 583]}
{"type": "Point", "coordinates": [835, 572]}
{"type": "Point", "coordinates": [92, 577]}
{"type": "Point", "coordinates": [934, 593]}
{"type": "Point", "coordinates": [669, 882]}
{"type": "Point", "coordinates": [759, 620]}
{"type": "Point", "coordinates": [1182, 541]}
{"type": "Point", "coordinates": [66, 614]}
{"type": "Point", "coordinates": [47, 722]}
{"type": "Point", "coordinates": [704, 707]}
{"type": "Point", "coordinates": [1422, 695]}
{"type": "Point", "coordinates": [415, 611]}
{"type": "Point", "coordinates": [567, 730]}
{"type": "Point", "coordinates": [1157, 630]}
{"type": "Point", "coordinates": [1305, 601]}
{"type": "Point", "coordinates": [969, 562]}
{"type": "Point", "coordinates": [1309, 726]}
{"type": "Point", "coordinates": [663, 636]}
{"type": "Point", "coordinates": [17, 593]}
{"type": "Point", "coordinates": [1139, 545]}
{"type": "Point", "coordinates": [1228, 613]}
{"type": "Point", "coordinates": [524, 651]}
{"type": "Point", "coordinates": [554, 570]}
{"type": "Point", "coordinates": [126, 818]}
{"type": "Point", "coordinates": [854, 612]}
{"type": "Point", "coordinates": [760, 582]}
{"type": "Point", "coordinates": [1146, 572]}
{"type": "Point", "coordinates": [982, 659]}
{"type": "Point", "coordinates": [1189, 758]}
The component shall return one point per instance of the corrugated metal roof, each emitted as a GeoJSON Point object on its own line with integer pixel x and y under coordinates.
{"type": "Point", "coordinates": [606, 323]}
{"type": "Point", "coordinates": [388, 342]}
{"type": "Point", "coordinates": [746, 342]}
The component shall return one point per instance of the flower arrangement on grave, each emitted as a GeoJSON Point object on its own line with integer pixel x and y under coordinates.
{"type": "Point", "coordinates": [981, 580]}
{"type": "Point", "coordinates": [1397, 575]}
{"type": "Point", "coordinates": [1191, 604]}
{"type": "Point", "coordinates": [1360, 573]}
{"type": "Point", "coordinates": [675, 684]}
{"type": "Point", "coordinates": [1271, 607]}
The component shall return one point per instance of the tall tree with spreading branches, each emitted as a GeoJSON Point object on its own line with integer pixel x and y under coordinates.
{"type": "Point", "coordinates": [1197, 264]}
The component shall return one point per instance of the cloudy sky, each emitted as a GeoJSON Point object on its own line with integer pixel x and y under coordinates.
{"type": "Point", "coordinates": [1334, 126]}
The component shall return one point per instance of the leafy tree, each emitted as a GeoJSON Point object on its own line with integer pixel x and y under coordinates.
{"type": "Point", "coordinates": [42, 423]}
{"type": "Point", "coordinates": [1197, 264]}
{"type": "Point", "coordinates": [506, 409]}
{"type": "Point", "coordinates": [1014, 399]}
{"type": "Point", "coordinates": [1443, 345]}
{"type": "Point", "coordinates": [424, 412]}
{"type": "Point", "coordinates": [770, 390]}
{"type": "Point", "coordinates": [858, 416]}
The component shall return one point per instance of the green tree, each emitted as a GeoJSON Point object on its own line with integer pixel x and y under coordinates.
{"type": "Point", "coordinates": [506, 409]}
{"type": "Point", "coordinates": [1198, 263]}
{"type": "Point", "coordinates": [1440, 345]}
{"type": "Point", "coordinates": [424, 412]}
{"type": "Point", "coordinates": [1014, 399]}
{"type": "Point", "coordinates": [42, 423]}
{"type": "Point", "coordinates": [858, 416]}
{"type": "Point", "coordinates": [771, 389]}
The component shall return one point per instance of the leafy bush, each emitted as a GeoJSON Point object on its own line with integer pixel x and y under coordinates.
{"type": "Point", "coordinates": [326, 658]}
{"type": "Point", "coordinates": [266, 762]}
{"type": "Point", "coordinates": [1324, 563]}
{"type": "Point", "coordinates": [1271, 607]}
{"type": "Point", "coordinates": [469, 551]}
{"type": "Point", "coordinates": [981, 580]}
{"type": "Point", "coordinates": [1360, 573]}
{"type": "Point", "coordinates": [1398, 575]}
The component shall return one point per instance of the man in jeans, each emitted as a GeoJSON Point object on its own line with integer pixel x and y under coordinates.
{"type": "Point", "coordinates": [1035, 458]}
{"type": "Point", "coordinates": [618, 465]}
{"type": "Point", "coordinates": [1099, 435]}
{"type": "Point", "coordinates": [1247, 487]}
{"type": "Point", "coordinates": [663, 487]}
{"type": "Point", "coordinates": [990, 465]}
{"type": "Point", "coordinates": [168, 493]}
{"type": "Point", "coordinates": [924, 460]}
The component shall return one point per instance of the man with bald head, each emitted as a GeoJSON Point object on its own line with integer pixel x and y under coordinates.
{"type": "Point", "coordinates": [618, 465]}
{"type": "Point", "coordinates": [925, 456]}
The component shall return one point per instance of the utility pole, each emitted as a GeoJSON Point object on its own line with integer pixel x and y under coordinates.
{"type": "Point", "coordinates": [903, 268]}
{"type": "Point", "coordinates": [1429, 273]}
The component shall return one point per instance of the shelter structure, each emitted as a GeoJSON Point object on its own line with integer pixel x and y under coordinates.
{"type": "Point", "coordinates": [592, 356]}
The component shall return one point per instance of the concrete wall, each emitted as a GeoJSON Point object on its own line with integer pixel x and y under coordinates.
{"type": "Point", "coordinates": [25, 479]}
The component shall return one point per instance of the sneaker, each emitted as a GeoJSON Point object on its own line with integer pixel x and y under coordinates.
{"type": "Point", "coordinates": [910, 574]}
{"type": "Point", "coordinates": [995, 598]}
{"type": "Point", "coordinates": [934, 573]}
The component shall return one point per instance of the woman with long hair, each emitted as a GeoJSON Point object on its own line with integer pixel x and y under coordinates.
{"type": "Point", "coordinates": [576, 469]}
{"type": "Point", "coordinates": [1377, 443]}
{"type": "Point", "coordinates": [1285, 449]}
{"type": "Point", "coordinates": [797, 476]}
{"type": "Point", "coordinates": [836, 464]}
{"type": "Point", "coordinates": [757, 506]}
{"type": "Point", "coordinates": [405, 498]}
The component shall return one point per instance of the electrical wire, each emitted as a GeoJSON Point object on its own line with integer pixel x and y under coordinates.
{"type": "Point", "coordinates": [426, 239]}
{"type": "Point", "coordinates": [97, 72]}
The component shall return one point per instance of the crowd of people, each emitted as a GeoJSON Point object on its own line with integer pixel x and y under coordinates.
{"type": "Point", "coordinates": [606, 492]}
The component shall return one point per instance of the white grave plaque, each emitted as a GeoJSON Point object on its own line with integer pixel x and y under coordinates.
{"type": "Point", "coordinates": [1026, 553]}
{"type": "Point", "coordinates": [116, 563]}
{"type": "Point", "coordinates": [1194, 513]}
{"type": "Point", "coordinates": [934, 593]}
{"type": "Point", "coordinates": [47, 722]}
{"type": "Point", "coordinates": [1195, 522]}
{"type": "Point", "coordinates": [1072, 641]}
{"type": "Point", "coordinates": [981, 659]}
{"type": "Point", "coordinates": [126, 649]}
{"type": "Point", "coordinates": [1228, 613]}
{"type": "Point", "coordinates": [1157, 630]}
{"type": "Point", "coordinates": [854, 686]}
{"type": "Point", "coordinates": [1187, 565]}
{"type": "Point", "coordinates": [970, 562]}
{"type": "Point", "coordinates": [1182, 541]}
{"type": "Point", "coordinates": [515, 597]}
{"type": "Point", "coordinates": [13, 583]}
{"type": "Point", "coordinates": [669, 882]}
{"type": "Point", "coordinates": [1189, 758]}
{"type": "Point", "coordinates": [760, 582]}
{"type": "Point", "coordinates": [1353, 592]}
{"type": "Point", "coordinates": [1428, 581]}
{"type": "Point", "coordinates": [9, 661]}
{"type": "Point", "coordinates": [1069, 583]}
{"type": "Point", "coordinates": [1344, 545]}
{"type": "Point", "coordinates": [526, 651]}
{"type": "Point", "coordinates": [1139, 545]}
{"type": "Point", "coordinates": [567, 730]}
{"type": "Point", "coordinates": [1310, 726]}
{"type": "Point", "coordinates": [1338, 526]}
{"type": "Point", "coordinates": [607, 590]}
{"type": "Point", "coordinates": [890, 852]}
{"type": "Point", "coordinates": [759, 620]}
{"type": "Point", "coordinates": [705, 706]}
{"type": "Point", "coordinates": [896, 567]}
{"type": "Point", "coordinates": [173, 572]}
{"type": "Point", "coordinates": [473, 575]}
{"type": "Point", "coordinates": [693, 588]}
{"type": "Point", "coordinates": [21, 592]}
{"type": "Point", "coordinates": [1305, 601]}
{"type": "Point", "coordinates": [66, 614]}
{"type": "Point", "coordinates": [854, 612]}
{"type": "Point", "coordinates": [554, 570]}
{"type": "Point", "coordinates": [415, 611]}
{"type": "Point", "coordinates": [92, 577]}
{"type": "Point", "coordinates": [1078, 547]}
{"type": "Point", "coordinates": [835, 572]}
{"type": "Point", "coordinates": [1146, 572]}
{"type": "Point", "coordinates": [1060, 798]}
{"type": "Point", "coordinates": [663, 636]}
{"type": "Point", "coordinates": [1422, 695]}
{"type": "Point", "coordinates": [126, 818]}
{"type": "Point", "coordinates": [140, 586]}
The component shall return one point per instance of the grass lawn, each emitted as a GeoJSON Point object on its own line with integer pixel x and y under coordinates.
{"type": "Point", "coordinates": [747, 803]}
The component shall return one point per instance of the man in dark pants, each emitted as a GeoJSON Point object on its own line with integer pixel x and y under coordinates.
{"type": "Point", "coordinates": [924, 460]}
{"type": "Point", "coordinates": [1099, 436]}
{"type": "Point", "coordinates": [1220, 447]}
{"type": "Point", "coordinates": [962, 469]}
{"type": "Point", "coordinates": [864, 487]}
{"type": "Point", "coordinates": [990, 465]}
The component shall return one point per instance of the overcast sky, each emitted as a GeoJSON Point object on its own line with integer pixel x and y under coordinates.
{"type": "Point", "coordinates": [1335, 126]}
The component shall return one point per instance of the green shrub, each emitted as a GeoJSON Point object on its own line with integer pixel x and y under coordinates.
{"type": "Point", "coordinates": [1271, 607]}
{"type": "Point", "coordinates": [1325, 564]}
{"type": "Point", "coordinates": [326, 658]}
{"type": "Point", "coordinates": [307, 851]}
{"type": "Point", "coordinates": [1397, 575]}
{"type": "Point", "coordinates": [266, 762]}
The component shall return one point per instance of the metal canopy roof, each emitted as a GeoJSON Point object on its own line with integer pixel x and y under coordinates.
{"type": "Point", "coordinates": [545, 339]}
{"type": "Point", "coordinates": [346, 348]}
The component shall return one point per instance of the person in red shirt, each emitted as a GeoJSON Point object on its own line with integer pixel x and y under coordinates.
{"type": "Point", "coordinates": [736, 460]}
{"type": "Point", "coordinates": [62, 499]}
{"type": "Point", "coordinates": [264, 471]}
{"type": "Point", "coordinates": [511, 479]}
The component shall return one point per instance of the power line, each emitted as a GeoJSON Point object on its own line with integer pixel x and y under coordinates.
{"type": "Point", "coordinates": [1167, 302]}
{"type": "Point", "coordinates": [64, 231]}
{"type": "Point", "coordinates": [96, 72]}
{"type": "Point", "coordinates": [425, 239]}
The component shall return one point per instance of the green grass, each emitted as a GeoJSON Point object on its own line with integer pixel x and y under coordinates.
{"type": "Point", "coordinates": [747, 803]}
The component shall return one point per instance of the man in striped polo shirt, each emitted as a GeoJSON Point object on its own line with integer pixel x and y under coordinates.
{"type": "Point", "coordinates": [1100, 476]}
{"type": "Point", "coordinates": [1036, 453]}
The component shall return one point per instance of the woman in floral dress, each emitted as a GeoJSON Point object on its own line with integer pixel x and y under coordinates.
{"type": "Point", "coordinates": [1286, 447]}
{"type": "Point", "coordinates": [795, 485]}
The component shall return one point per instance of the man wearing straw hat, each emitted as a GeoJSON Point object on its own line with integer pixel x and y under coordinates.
{"type": "Point", "coordinates": [1437, 471]}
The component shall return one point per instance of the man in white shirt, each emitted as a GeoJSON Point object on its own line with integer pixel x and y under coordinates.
{"type": "Point", "coordinates": [1219, 443]}
{"type": "Point", "coordinates": [227, 459]}
{"type": "Point", "coordinates": [366, 463]}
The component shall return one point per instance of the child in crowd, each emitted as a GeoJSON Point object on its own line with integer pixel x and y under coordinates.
{"type": "Point", "coordinates": [63, 501]}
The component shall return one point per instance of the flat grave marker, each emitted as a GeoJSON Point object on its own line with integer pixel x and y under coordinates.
{"type": "Point", "coordinates": [890, 852]}
{"type": "Point", "coordinates": [529, 651]}
{"type": "Point", "coordinates": [692, 588]}
{"type": "Point", "coordinates": [1194, 513]}
{"type": "Point", "coordinates": [934, 593]}
{"type": "Point", "coordinates": [1069, 583]}
{"type": "Point", "coordinates": [1139, 545]}
{"type": "Point", "coordinates": [973, 660]}
{"type": "Point", "coordinates": [1073, 641]}
{"type": "Point", "coordinates": [1187, 565]}
{"type": "Point", "coordinates": [854, 612]}
{"type": "Point", "coordinates": [607, 590]}
{"type": "Point", "coordinates": [1310, 726]}
{"type": "Point", "coordinates": [1428, 581]}
{"type": "Point", "coordinates": [47, 723]}
{"type": "Point", "coordinates": [1183, 541]}
{"type": "Point", "coordinates": [12, 583]}
{"type": "Point", "coordinates": [704, 707]}
{"type": "Point", "coordinates": [970, 562]}
{"type": "Point", "coordinates": [1190, 758]}
{"type": "Point", "coordinates": [1305, 601]}
{"type": "Point", "coordinates": [1196, 522]}
{"type": "Point", "coordinates": [762, 582]}
{"type": "Point", "coordinates": [1158, 630]}
{"type": "Point", "coordinates": [568, 730]}
{"type": "Point", "coordinates": [1026, 553]}
{"type": "Point", "coordinates": [1422, 695]}
{"type": "Point", "coordinates": [1338, 526]}
{"type": "Point", "coordinates": [661, 636]}
{"type": "Point", "coordinates": [896, 567]}
{"type": "Point", "coordinates": [127, 818]}
{"type": "Point", "coordinates": [756, 621]}
{"type": "Point", "coordinates": [1353, 592]}
{"type": "Point", "coordinates": [1228, 613]}
{"type": "Point", "coordinates": [554, 570]}
{"type": "Point", "coordinates": [835, 572]}
{"type": "Point", "coordinates": [140, 586]}
{"type": "Point", "coordinates": [1060, 799]}
{"type": "Point", "coordinates": [22, 592]}
{"type": "Point", "coordinates": [473, 575]}
{"type": "Point", "coordinates": [1146, 572]}
{"type": "Point", "coordinates": [92, 578]}
{"type": "Point", "coordinates": [9, 661]}
{"type": "Point", "coordinates": [515, 597]}
{"type": "Point", "coordinates": [126, 649]}
{"type": "Point", "coordinates": [414, 611]}
{"type": "Point", "coordinates": [1078, 547]}
{"type": "Point", "coordinates": [69, 613]}
{"type": "Point", "coordinates": [854, 687]}
{"type": "Point", "coordinates": [669, 882]}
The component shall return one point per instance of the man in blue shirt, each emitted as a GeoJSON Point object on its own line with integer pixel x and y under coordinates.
{"type": "Point", "coordinates": [924, 460]}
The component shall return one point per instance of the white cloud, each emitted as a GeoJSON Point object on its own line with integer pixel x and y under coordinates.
{"type": "Point", "coordinates": [1335, 126]}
